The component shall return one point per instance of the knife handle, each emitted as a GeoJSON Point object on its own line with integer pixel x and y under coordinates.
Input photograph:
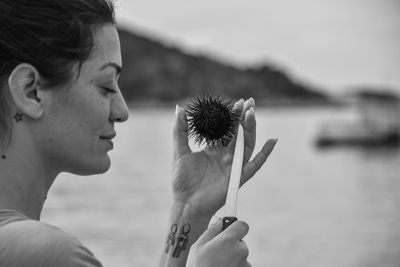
{"type": "Point", "coordinates": [227, 221]}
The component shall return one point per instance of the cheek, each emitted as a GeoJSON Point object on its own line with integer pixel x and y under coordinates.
{"type": "Point", "coordinates": [90, 112]}
{"type": "Point", "coordinates": [77, 120]}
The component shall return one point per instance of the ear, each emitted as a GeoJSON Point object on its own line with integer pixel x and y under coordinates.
{"type": "Point", "coordinates": [24, 84]}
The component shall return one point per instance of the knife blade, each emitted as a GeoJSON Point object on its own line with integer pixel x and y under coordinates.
{"type": "Point", "coordinates": [234, 181]}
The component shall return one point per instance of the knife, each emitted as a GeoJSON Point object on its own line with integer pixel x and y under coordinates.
{"type": "Point", "coordinates": [234, 181]}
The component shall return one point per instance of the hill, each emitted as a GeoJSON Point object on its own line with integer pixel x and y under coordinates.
{"type": "Point", "coordinates": [156, 72]}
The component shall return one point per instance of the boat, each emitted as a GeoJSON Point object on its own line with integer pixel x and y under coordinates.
{"type": "Point", "coordinates": [377, 123]}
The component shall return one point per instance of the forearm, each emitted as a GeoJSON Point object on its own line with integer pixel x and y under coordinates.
{"type": "Point", "coordinates": [184, 228]}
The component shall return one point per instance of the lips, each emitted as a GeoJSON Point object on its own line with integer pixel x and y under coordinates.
{"type": "Point", "coordinates": [108, 136]}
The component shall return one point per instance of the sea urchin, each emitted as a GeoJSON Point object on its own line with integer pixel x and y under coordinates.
{"type": "Point", "coordinates": [212, 120]}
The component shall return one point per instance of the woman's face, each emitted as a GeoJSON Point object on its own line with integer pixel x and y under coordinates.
{"type": "Point", "coordinates": [79, 120]}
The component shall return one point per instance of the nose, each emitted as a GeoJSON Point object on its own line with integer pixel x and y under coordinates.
{"type": "Point", "coordinates": [118, 109]}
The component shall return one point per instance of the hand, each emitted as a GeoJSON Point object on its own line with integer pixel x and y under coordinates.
{"type": "Point", "coordinates": [200, 179]}
{"type": "Point", "coordinates": [217, 248]}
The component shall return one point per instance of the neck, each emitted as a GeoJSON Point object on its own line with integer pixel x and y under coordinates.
{"type": "Point", "coordinates": [24, 180]}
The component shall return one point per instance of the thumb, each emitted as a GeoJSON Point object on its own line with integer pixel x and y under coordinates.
{"type": "Point", "coordinates": [180, 135]}
{"type": "Point", "coordinates": [212, 231]}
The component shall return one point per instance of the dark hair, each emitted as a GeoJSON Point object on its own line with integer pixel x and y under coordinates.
{"type": "Point", "coordinates": [51, 35]}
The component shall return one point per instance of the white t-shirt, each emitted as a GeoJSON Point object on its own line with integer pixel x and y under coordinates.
{"type": "Point", "coordinates": [28, 243]}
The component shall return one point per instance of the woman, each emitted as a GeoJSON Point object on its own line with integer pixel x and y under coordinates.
{"type": "Point", "coordinates": [59, 66]}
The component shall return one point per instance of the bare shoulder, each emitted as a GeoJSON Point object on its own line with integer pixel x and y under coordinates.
{"type": "Point", "coordinates": [30, 241]}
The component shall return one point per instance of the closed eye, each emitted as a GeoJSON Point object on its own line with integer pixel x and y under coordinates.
{"type": "Point", "coordinates": [108, 90]}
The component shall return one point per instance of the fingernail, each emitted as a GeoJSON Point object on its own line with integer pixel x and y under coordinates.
{"type": "Point", "coordinates": [176, 109]}
{"type": "Point", "coordinates": [252, 101]}
{"type": "Point", "coordinates": [215, 219]}
{"type": "Point", "coordinates": [249, 111]}
{"type": "Point", "coordinates": [239, 103]}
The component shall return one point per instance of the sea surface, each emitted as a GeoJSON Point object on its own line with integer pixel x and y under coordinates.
{"type": "Point", "coordinates": [307, 207]}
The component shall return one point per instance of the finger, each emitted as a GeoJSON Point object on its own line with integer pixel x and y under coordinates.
{"type": "Point", "coordinates": [246, 106]}
{"type": "Point", "coordinates": [249, 134]}
{"type": "Point", "coordinates": [238, 107]}
{"type": "Point", "coordinates": [243, 250]}
{"type": "Point", "coordinates": [247, 264]}
{"type": "Point", "coordinates": [237, 230]}
{"type": "Point", "coordinates": [180, 135]}
{"type": "Point", "coordinates": [212, 231]}
{"type": "Point", "coordinates": [253, 166]}
{"type": "Point", "coordinates": [250, 103]}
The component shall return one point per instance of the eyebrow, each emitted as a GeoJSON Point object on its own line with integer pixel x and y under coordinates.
{"type": "Point", "coordinates": [117, 67]}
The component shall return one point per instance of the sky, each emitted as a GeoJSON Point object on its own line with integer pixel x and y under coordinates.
{"type": "Point", "coordinates": [330, 44]}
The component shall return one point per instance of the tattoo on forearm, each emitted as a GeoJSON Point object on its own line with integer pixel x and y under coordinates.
{"type": "Point", "coordinates": [179, 243]}
{"type": "Point", "coordinates": [182, 241]}
{"type": "Point", "coordinates": [171, 237]}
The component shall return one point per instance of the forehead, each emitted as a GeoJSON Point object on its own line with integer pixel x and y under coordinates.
{"type": "Point", "coordinates": [106, 52]}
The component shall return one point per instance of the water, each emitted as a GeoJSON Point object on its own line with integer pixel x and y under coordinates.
{"type": "Point", "coordinates": [306, 207]}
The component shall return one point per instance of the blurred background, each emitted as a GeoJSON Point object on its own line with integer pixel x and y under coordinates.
{"type": "Point", "coordinates": [325, 78]}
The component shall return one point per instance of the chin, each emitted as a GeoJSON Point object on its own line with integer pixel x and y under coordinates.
{"type": "Point", "coordinates": [96, 166]}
